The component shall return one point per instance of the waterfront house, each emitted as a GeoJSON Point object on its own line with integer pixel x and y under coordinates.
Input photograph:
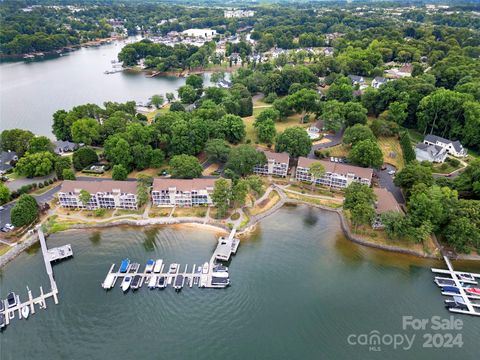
{"type": "Point", "coordinates": [277, 164]}
{"type": "Point", "coordinates": [385, 202]}
{"type": "Point", "coordinates": [6, 159]}
{"type": "Point", "coordinates": [431, 153]}
{"type": "Point", "coordinates": [106, 194]}
{"type": "Point", "coordinates": [62, 147]}
{"type": "Point", "coordinates": [206, 34]}
{"type": "Point", "coordinates": [337, 175]}
{"type": "Point", "coordinates": [378, 81]}
{"type": "Point", "coordinates": [454, 148]}
{"type": "Point", "coordinates": [167, 192]}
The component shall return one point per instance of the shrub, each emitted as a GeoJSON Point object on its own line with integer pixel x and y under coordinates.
{"type": "Point", "coordinates": [100, 212]}
{"type": "Point", "coordinates": [50, 181]}
{"type": "Point", "coordinates": [270, 98]}
{"type": "Point", "coordinates": [453, 162]}
{"type": "Point", "coordinates": [405, 143]}
{"type": "Point", "coordinates": [41, 186]}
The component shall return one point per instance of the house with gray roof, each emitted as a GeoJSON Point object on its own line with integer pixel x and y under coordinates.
{"type": "Point", "coordinates": [6, 159]}
{"type": "Point", "coordinates": [431, 153]}
{"type": "Point", "coordinates": [356, 79]}
{"type": "Point", "coordinates": [64, 146]}
{"type": "Point", "coordinates": [378, 81]}
{"type": "Point", "coordinates": [452, 147]}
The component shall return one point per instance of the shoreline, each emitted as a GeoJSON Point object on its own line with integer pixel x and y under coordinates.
{"type": "Point", "coordinates": [218, 227]}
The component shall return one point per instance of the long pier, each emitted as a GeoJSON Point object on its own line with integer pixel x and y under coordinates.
{"type": "Point", "coordinates": [471, 307]}
{"type": "Point", "coordinates": [204, 275]}
{"type": "Point", "coordinates": [49, 256]}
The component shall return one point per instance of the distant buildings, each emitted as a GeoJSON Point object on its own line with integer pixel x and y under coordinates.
{"type": "Point", "coordinates": [225, 84]}
{"type": "Point", "coordinates": [452, 147]}
{"type": "Point", "coordinates": [106, 194]}
{"type": "Point", "coordinates": [206, 34]}
{"type": "Point", "coordinates": [277, 164]}
{"type": "Point", "coordinates": [337, 175]}
{"type": "Point", "coordinates": [431, 153]}
{"type": "Point", "coordinates": [182, 192]}
{"type": "Point", "coordinates": [397, 73]}
{"type": "Point", "coordinates": [238, 13]}
{"type": "Point", "coordinates": [357, 80]}
{"type": "Point", "coordinates": [6, 158]}
{"type": "Point", "coordinates": [378, 81]}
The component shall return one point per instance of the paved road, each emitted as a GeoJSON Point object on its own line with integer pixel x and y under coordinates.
{"type": "Point", "coordinates": [17, 184]}
{"type": "Point", "coordinates": [335, 139]}
{"type": "Point", "coordinates": [386, 181]}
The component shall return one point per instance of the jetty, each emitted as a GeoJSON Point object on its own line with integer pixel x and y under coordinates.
{"type": "Point", "coordinates": [208, 275]}
{"type": "Point", "coordinates": [49, 256]}
{"type": "Point", "coordinates": [469, 307]}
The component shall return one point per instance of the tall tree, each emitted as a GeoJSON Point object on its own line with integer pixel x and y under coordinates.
{"type": "Point", "coordinates": [185, 167]}
{"type": "Point", "coordinates": [295, 141]}
{"type": "Point", "coordinates": [221, 196]}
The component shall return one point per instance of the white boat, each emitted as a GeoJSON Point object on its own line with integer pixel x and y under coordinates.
{"type": "Point", "coordinates": [158, 266]}
{"type": "Point", "coordinates": [152, 283]}
{"type": "Point", "coordinates": [25, 311]}
{"type": "Point", "coordinates": [127, 280]}
{"type": "Point", "coordinates": [205, 268]}
{"type": "Point", "coordinates": [150, 265]}
{"type": "Point", "coordinates": [109, 281]}
{"type": "Point", "coordinates": [173, 268]}
{"type": "Point", "coordinates": [221, 275]}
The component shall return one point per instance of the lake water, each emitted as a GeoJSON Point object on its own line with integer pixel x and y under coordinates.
{"type": "Point", "coordinates": [30, 92]}
{"type": "Point", "coordinates": [299, 289]}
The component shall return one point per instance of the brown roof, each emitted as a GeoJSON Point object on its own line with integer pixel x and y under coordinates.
{"type": "Point", "coordinates": [183, 184]}
{"type": "Point", "coordinates": [129, 187]}
{"type": "Point", "coordinates": [385, 201]}
{"type": "Point", "coordinates": [278, 157]}
{"type": "Point", "coordinates": [337, 168]}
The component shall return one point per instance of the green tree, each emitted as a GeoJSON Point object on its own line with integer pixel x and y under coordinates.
{"type": "Point", "coordinates": [354, 113]}
{"type": "Point", "coordinates": [17, 140]}
{"type": "Point", "coordinates": [217, 150]}
{"type": "Point", "coordinates": [25, 211]}
{"type": "Point", "coordinates": [62, 163]}
{"type": "Point", "coordinates": [340, 92]}
{"type": "Point", "coordinates": [37, 164]}
{"type": "Point", "coordinates": [304, 101]}
{"type": "Point", "coordinates": [232, 127]}
{"type": "Point", "coordinates": [412, 174]}
{"type": "Point", "coordinates": [221, 196]}
{"type": "Point", "coordinates": [83, 157]}
{"type": "Point", "coordinates": [4, 194]}
{"type": "Point", "coordinates": [333, 115]}
{"type": "Point", "coordinates": [362, 214]}
{"type": "Point", "coordinates": [185, 167]}
{"type": "Point", "coordinates": [157, 158]}
{"type": "Point", "coordinates": [356, 194]}
{"type": "Point", "coordinates": [316, 171]}
{"type": "Point", "coordinates": [68, 174]}
{"type": "Point", "coordinates": [118, 151]}
{"type": "Point", "coordinates": [119, 172]}
{"type": "Point", "coordinates": [243, 158]}
{"type": "Point", "coordinates": [357, 133]}
{"type": "Point", "coordinates": [366, 153]}
{"type": "Point", "coordinates": [239, 192]}
{"type": "Point", "coordinates": [407, 149]}
{"type": "Point", "coordinates": [268, 114]}
{"type": "Point", "coordinates": [170, 96]}
{"type": "Point", "coordinates": [84, 197]}
{"type": "Point", "coordinates": [295, 141]}
{"type": "Point", "coordinates": [157, 101]}
{"type": "Point", "coordinates": [216, 77]}
{"type": "Point", "coordinates": [40, 144]}
{"type": "Point", "coordinates": [397, 112]}
{"type": "Point", "coordinates": [177, 106]}
{"type": "Point", "coordinates": [195, 81]}
{"type": "Point", "coordinates": [187, 94]}
{"type": "Point", "coordinates": [86, 131]}
{"type": "Point", "coordinates": [266, 131]}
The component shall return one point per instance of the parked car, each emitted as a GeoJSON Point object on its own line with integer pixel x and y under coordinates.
{"type": "Point", "coordinates": [2, 208]}
{"type": "Point", "coordinates": [391, 172]}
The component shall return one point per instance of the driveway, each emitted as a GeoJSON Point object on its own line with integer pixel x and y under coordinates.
{"type": "Point", "coordinates": [335, 139]}
{"type": "Point", "coordinates": [386, 181]}
{"type": "Point", "coordinates": [14, 185]}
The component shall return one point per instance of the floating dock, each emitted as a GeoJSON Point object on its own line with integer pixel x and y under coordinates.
{"type": "Point", "coordinates": [472, 308]}
{"type": "Point", "coordinates": [49, 256]}
{"type": "Point", "coordinates": [202, 276]}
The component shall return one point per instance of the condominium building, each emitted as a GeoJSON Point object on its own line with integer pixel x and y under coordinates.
{"type": "Point", "coordinates": [107, 194]}
{"type": "Point", "coordinates": [182, 192]}
{"type": "Point", "coordinates": [277, 164]}
{"type": "Point", "coordinates": [337, 175]}
{"type": "Point", "coordinates": [238, 13]}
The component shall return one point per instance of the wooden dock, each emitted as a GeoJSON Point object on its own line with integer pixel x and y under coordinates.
{"type": "Point", "coordinates": [189, 276]}
{"type": "Point", "coordinates": [467, 298]}
{"type": "Point", "coordinates": [49, 256]}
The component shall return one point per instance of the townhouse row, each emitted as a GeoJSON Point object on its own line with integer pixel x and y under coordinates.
{"type": "Point", "coordinates": [110, 194]}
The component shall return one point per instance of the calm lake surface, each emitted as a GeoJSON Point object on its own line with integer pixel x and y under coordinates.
{"type": "Point", "coordinates": [299, 289]}
{"type": "Point", "coordinates": [30, 92]}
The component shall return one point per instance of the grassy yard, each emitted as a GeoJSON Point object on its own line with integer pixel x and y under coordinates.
{"type": "Point", "coordinates": [121, 212]}
{"type": "Point", "coordinates": [211, 169]}
{"type": "Point", "coordinates": [316, 201]}
{"type": "Point", "coordinates": [190, 212]}
{"type": "Point", "coordinates": [265, 204]}
{"type": "Point", "coordinates": [151, 115]}
{"type": "Point", "coordinates": [390, 146]}
{"type": "Point", "coordinates": [415, 136]}
{"type": "Point", "coordinates": [339, 150]}
{"type": "Point", "coordinates": [159, 212]}
{"type": "Point", "coordinates": [445, 168]}
{"type": "Point", "coordinates": [4, 249]}
{"type": "Point", "coordinates": [318, 190]}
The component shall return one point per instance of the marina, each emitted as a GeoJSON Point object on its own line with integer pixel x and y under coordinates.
{"type": "Point", "coordinates": [14, 305]}
{"type": "Point", "coordinates": [209, 275]}
{"type": "Point", "coordinates": [461, 287]}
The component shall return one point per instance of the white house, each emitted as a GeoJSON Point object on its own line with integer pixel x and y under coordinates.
{"type": "Point", "coordinates": [238, 13]}
{"type": "Point", "coordinates": [357, 80]}
{"type": "Point", "coordinates": [337, 175]}
{"type": "Point", "coordinates": [452, 147]}
{"type": "Point", "coordinates": [432, 153]}
{"type": "Point", "coordinates": [378, 81]}
{"type": "Point", "coordinates": [200, 33]}
{"type": "Point", "coordinates": [277, 164]}
{"type": "Point", "coordinates": [107, 194]}
{"type": "Point", "coordinates": [182, 192]}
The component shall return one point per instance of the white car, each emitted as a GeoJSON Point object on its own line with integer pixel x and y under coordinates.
{"type": "Point", "coordinates": [391, 172]}
{"type": "Point", "coordinates": [9, 226]}
{"type": "Point", "coordinates": [2, 208]}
